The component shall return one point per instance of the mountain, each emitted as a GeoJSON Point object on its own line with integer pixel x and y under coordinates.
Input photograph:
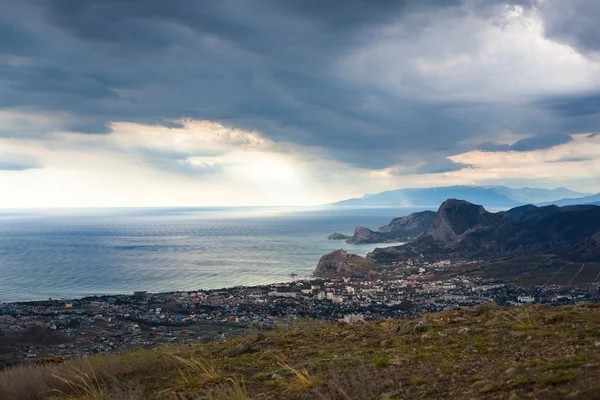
{"type": "Point", "coordinates": [398, 230]}
{"type": "Point", "coordinates": [461, 229]}
{"type": "Point", "coordinates": [528, 195]}
{"type": "Point", "coordinates": [592, 199]}
{"type": "Point", "coordinates": [429, 197]}
{"type": "Point", "coordinates": [490, 196]}
{"type": "Point", "coordinates": [340, 263]}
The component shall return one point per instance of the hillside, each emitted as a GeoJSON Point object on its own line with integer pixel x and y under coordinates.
{"type": "Point", "coordinates": [398, 230]}
{"type": "Point", "coordinates": [464, 230]}
{"type": "Point", "coordinates": [593, 199]}
{"type": "Point", "coordinates": [489, 196]}
{"type": "Point", "coordinates": [483, 352]}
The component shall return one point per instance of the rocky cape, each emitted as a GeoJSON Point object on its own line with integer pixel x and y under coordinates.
{"type": "Point", "coordinates": [338, 236]}
{"type": "Point", "coordinates": [398, 230]}
{"type": "Point", "coordinates": [461, 229]}
{"type": "Point", "coordinates": [339, 263]}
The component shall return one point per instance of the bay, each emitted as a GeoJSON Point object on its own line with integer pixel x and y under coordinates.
{"type": "Point", "coordinates": [76, 253]}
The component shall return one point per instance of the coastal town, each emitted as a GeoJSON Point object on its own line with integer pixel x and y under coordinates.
{"type": "Point", "coordinates": [109, 324]}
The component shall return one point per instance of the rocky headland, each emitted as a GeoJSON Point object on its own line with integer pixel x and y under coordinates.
{"type": "Point", "coordinates": [339, 263]}
{"type": "Point", "coordinates": [461, 229]}
{"type": "Point", "coordinates": [338, 236]}
{"type": "Point", "coordinates": [398, 230]}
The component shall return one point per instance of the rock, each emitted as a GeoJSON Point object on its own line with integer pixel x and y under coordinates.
{"type": "Point", "coordinates": [510, 371]}
{"type": "Point", "coordinates": [398, 361]}
{"type": "Point", "coordinates": [398, 230]}
{"type": "Point", "coordinates": [422, 326]}
{"type": "Point", "coordinates": [513, 396]}
{"type": "Point", "coordinates": [338, 263]}
{"type": "Point", "coordinates": [493, 322]}
{"type": "Point", "coordinates": [464, 330]}
{"type": "Point", "coordinates": [338, 236]}
{"type": "Point", "coordinates": [409, 226]}
{"type": "Point", "coordinates": [487, 388]}
{"type": "Point", "coordinates": [597, 344]}
{"type": "Point", "coordinates": [478, 384]}
{"type": "Point", "coordinates": [277, 377]}
{"type": "Point", "coordinates": [464, 230]}
{"type": "Point", "coordinates": [365, 235]}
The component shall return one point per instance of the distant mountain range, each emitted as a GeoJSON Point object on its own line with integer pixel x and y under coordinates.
{"type": "Point", "coordinates": [489, 196]}
{"type": "Point", "coordinates": [593, 199]}
{"type": "Point", "coordinates": [461, 229]}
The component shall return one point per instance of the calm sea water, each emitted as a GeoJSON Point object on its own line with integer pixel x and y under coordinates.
{"type": "Point", "coordinates": [75, 253]}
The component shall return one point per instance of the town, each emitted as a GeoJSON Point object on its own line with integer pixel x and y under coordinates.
{"type": "Point", "coordinates": [109, 324]}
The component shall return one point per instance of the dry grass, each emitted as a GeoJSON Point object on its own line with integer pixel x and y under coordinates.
{"type": "Point", "coordinates": [484, 352]}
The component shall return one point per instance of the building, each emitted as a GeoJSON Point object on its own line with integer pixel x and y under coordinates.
{"type": "Point", "coordinates": [353, 318]}
{"type": "Point", "coordinates": [526, 299]}
{"type": "Point", "coordinates": [282, 294]}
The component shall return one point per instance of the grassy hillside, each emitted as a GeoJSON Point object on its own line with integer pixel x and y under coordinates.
{"type": "Point", "coordinates": [483, 352]}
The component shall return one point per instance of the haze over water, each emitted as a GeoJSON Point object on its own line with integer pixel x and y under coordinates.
{"type": "Point", "coordinates": [76, 253]}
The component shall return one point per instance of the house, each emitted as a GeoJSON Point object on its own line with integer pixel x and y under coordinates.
{"type": "Point", "coordinates": [526, 299]}
{"type": "Point", "coordinates": [6, 319]}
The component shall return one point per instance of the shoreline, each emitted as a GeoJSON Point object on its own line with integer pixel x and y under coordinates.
{"type": "Point", "coordinates": [311, 278]}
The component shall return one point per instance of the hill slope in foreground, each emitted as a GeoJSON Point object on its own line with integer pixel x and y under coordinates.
{"type": "Point", "coordinates": [483, 352]}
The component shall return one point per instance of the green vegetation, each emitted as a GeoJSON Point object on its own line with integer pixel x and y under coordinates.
{"type": "Point", "coordinates": [483, 352]}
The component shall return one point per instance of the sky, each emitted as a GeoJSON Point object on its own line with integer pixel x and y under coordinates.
{"type": "Point", "coordinates": [122, 103]}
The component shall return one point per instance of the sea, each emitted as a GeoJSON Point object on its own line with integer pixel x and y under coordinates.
{"type": "Point", "coordinates": [83, 252]}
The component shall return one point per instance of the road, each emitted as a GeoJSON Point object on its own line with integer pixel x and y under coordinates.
{"type": "Point", "coordinates": [575, 276]}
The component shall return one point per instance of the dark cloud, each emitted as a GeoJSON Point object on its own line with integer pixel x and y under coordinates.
{"type": "Point", "coordinates": [537, 142]}
{"type": "Point", "coordinates": [439, 165]}
{"type": "Point", "coordinates": [266, 65]}
{"type": "Point", "coordinates": [540, 142]}
{"type": "Point", "coordinates": [578, 105]}
{"type": "Point", "coordinates": [492, 147]}
{"type": "Point", "coordinates": [574, 22]}
{"type": "Point", "coordinates": [15, 40]}
{"type": "Point", "coordinates": [572, 159]}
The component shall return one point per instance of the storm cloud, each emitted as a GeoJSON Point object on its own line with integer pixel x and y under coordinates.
{"type": "Point", "coordinates": [367, 83]}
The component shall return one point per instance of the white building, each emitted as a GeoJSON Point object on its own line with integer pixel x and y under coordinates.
{"type": "Point", "coordinates": [282, 294]}
{"type": "Point", "coordinates": [526, 299]}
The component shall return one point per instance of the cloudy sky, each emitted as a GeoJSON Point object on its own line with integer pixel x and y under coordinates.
{"type": "Point", "coordinates": [285, 102]}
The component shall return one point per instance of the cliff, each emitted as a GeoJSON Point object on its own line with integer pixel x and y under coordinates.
{"type": "Point", "coordinates": [338, 236]}
{"type": "Point", "coordinates": [398, 230]}
{"type": "Point", "coordinates": [365, 235]}
{"type": "Point", "coordinates": [464, 230]}
{"type": "Point", "coordinates": [339, 263]}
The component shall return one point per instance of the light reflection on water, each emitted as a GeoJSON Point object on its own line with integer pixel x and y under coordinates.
{"type": "Point", "coordinates": [75, 253]}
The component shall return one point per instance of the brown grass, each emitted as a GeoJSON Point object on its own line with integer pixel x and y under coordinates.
{"type": "Point", "coordinates": [484, 352]}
